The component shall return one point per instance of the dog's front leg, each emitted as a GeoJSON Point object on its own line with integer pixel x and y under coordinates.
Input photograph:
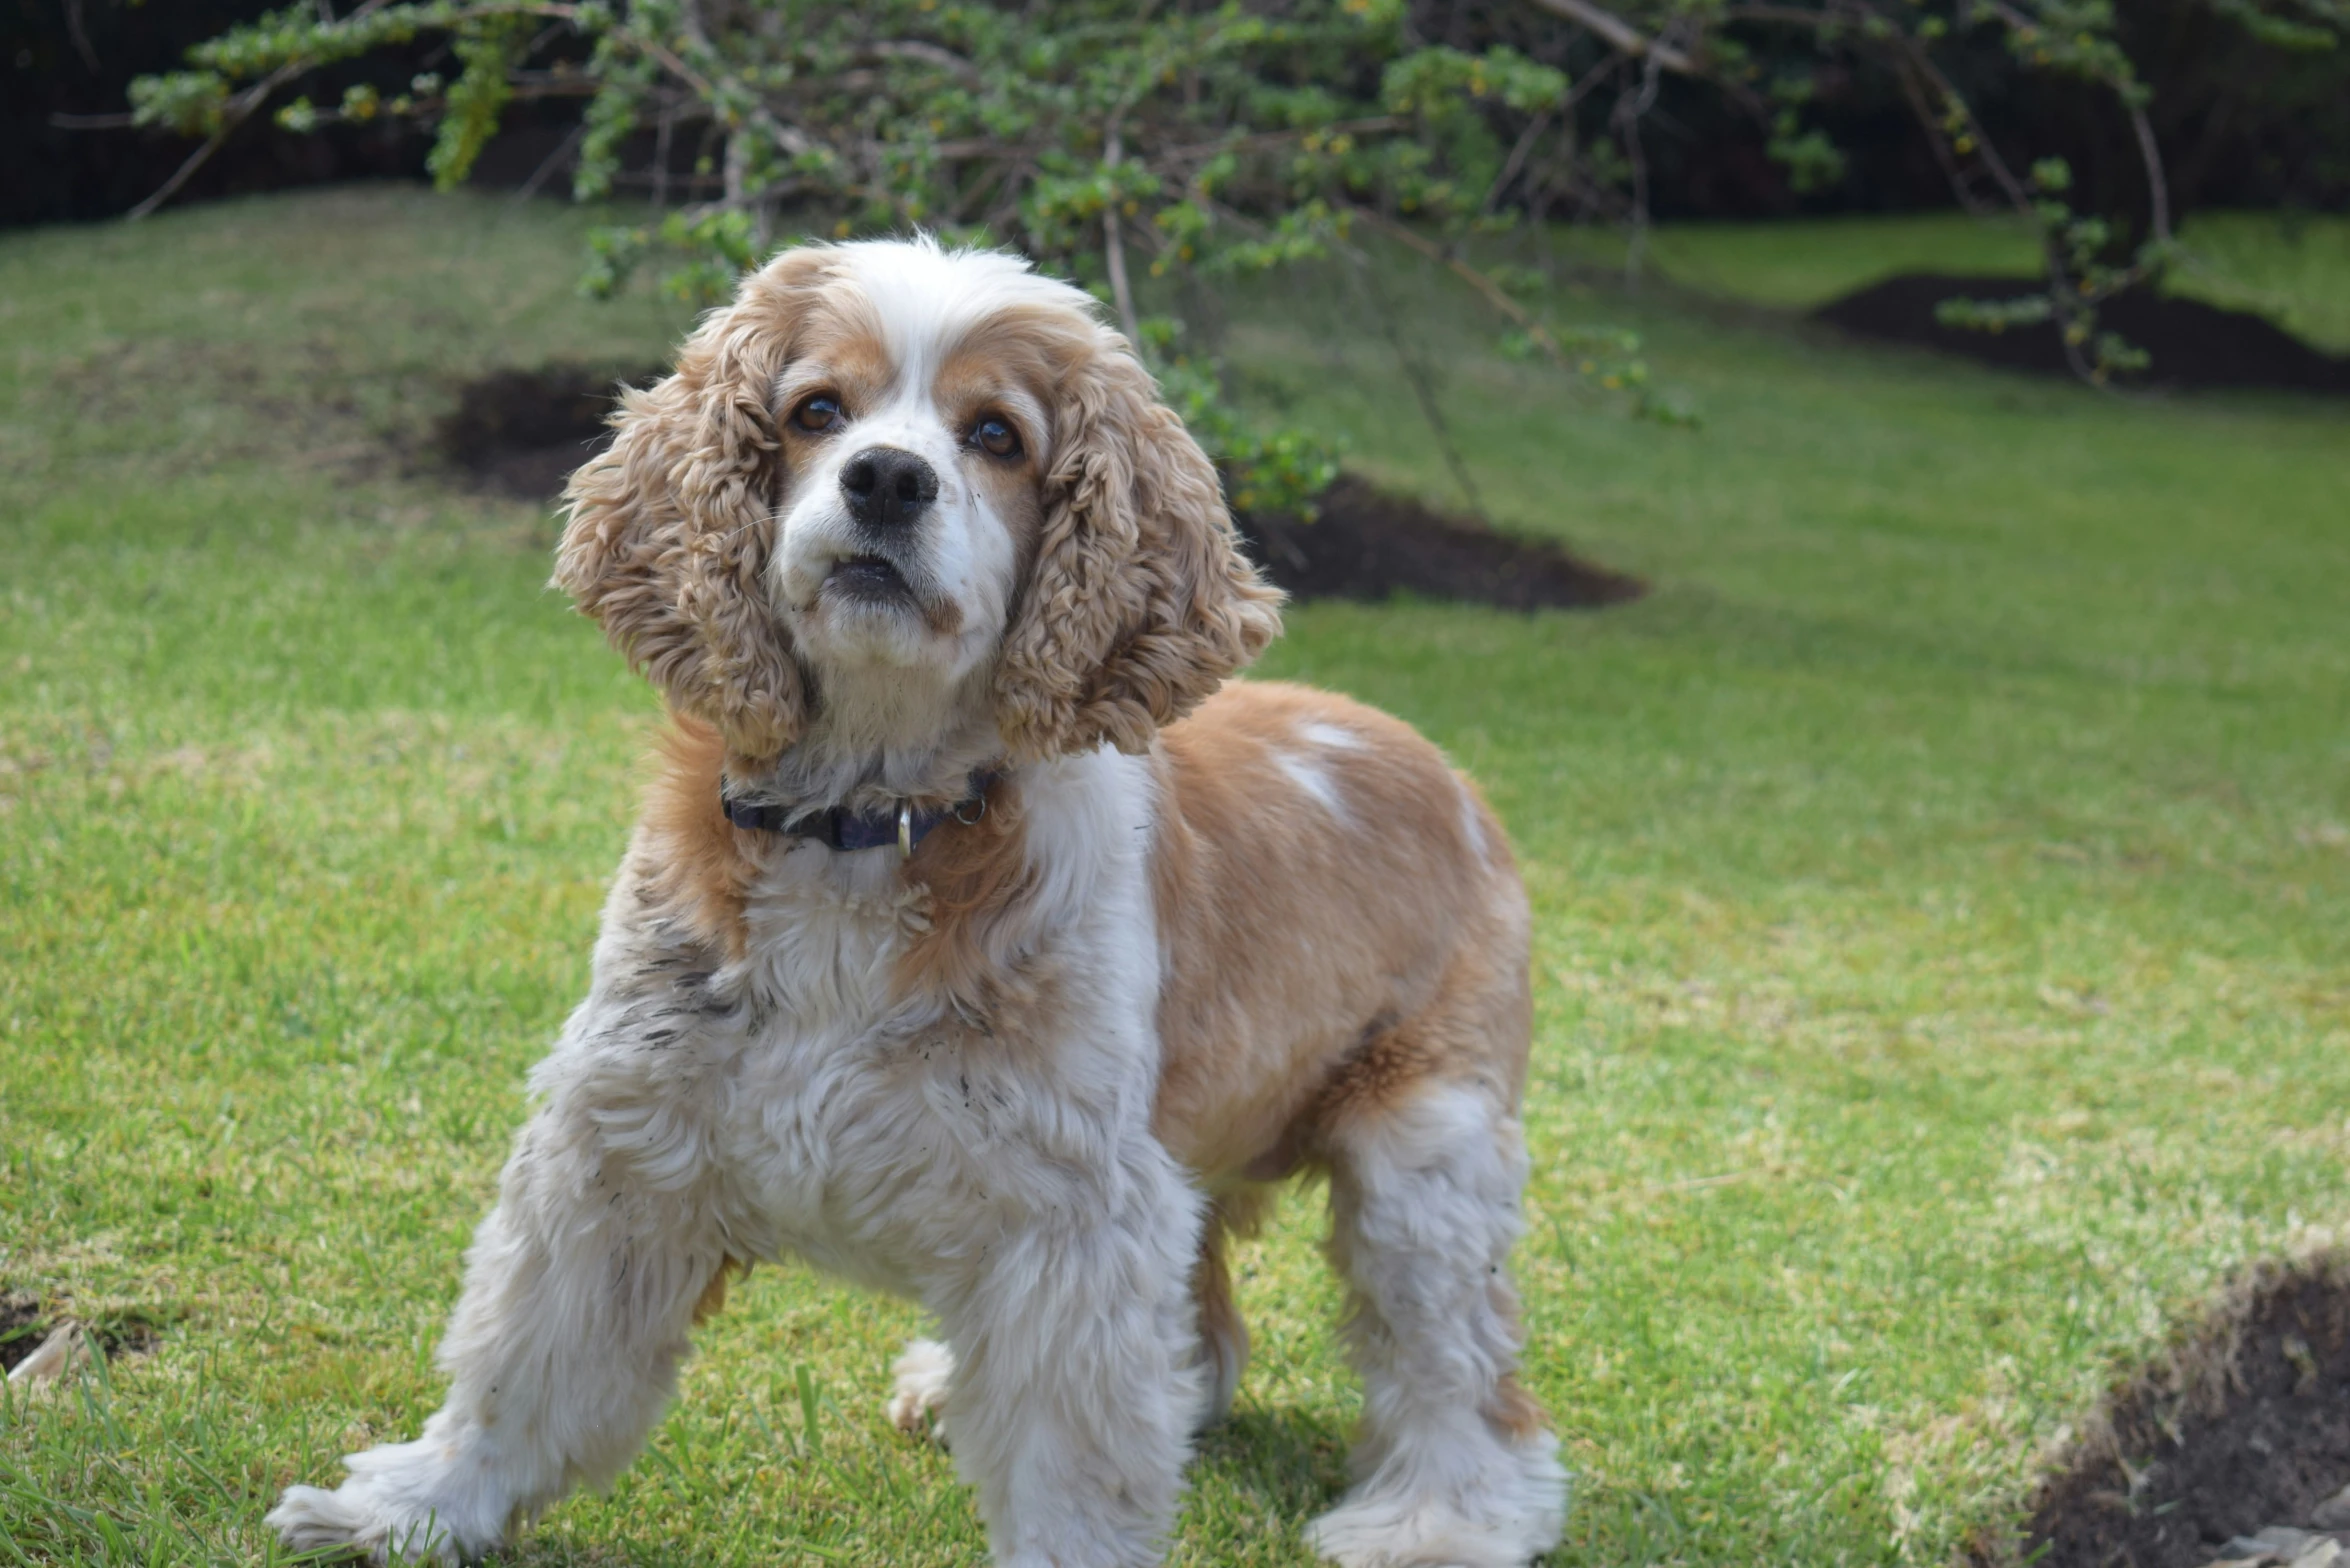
{"type": "Point", "coordinates": [1075, 1387]}
{"type": "Point", "coordinates": [580, 1289]}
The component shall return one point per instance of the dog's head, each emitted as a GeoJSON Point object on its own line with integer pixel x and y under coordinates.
{"type": "Point", "coordinates": [914, 481]}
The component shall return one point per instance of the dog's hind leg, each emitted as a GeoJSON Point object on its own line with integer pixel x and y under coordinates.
{"type": "Point", "coordinates": [1223, 1333]}
{"type": "Point", "coordinates": [580, 1290]}
{"type": "Point", "coordinates": [1451, 1463]}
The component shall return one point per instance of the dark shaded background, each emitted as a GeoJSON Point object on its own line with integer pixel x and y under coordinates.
{"type": "Point", "coordinates": [78, 57]}
{"type": "Point", "coordinates": [2239, 126]}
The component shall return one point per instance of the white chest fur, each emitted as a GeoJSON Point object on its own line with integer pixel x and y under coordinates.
{"type": "Point", "coordinates": [813, 1109]}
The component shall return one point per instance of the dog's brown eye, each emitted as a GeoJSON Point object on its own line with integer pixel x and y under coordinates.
{"type": "Point", "coordinates": [996, 438]}
{"type": "Point", "coordinates": [818, 414]}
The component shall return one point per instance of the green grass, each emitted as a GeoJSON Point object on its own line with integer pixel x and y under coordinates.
{"type": "Point", "coordinates": [1942, 881]}
{"type": "Point", "coordinates": [2292, 268]}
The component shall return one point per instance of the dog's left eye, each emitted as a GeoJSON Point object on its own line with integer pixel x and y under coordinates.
{"type": "Point", "coordinates": [996, 437]}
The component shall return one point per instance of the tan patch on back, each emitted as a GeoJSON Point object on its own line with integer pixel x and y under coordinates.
{"type": "Point", "coordinates": [1473, 1005]}
{"type": "Point", "coordinates": [1336, 933]}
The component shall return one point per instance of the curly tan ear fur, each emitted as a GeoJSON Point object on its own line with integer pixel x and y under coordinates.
{"type": "Point", "coordinates": [1140, 603]}
{"type": "Point", "coordinates": [670, 527]}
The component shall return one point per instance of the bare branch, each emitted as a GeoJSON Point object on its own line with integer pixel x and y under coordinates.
{"type": "Point", "coordinates": [2017, 196]}
{"type": "Point", "coordinates": [1621, 35]}
{"type": "Point", "coordinates": [1626, 115]}
{"type": "Point", "coordinates": [2157, 187]}
{"type": "Point", "coordinates": [928, 53]}
{"type": "Point", "coordinates": [1420, 376]}
{"type": "Point", "coordinates": [1517, 160]}
{"type": "Point", "coordinates": [790, 138]}
{"type": "Point", "coordinates": [239, 109]}
{"type": "Point", "coordinates": [1495, 295]}
{"type": "Point", "coordinates": [81, 36]}
{"type": "Point", "coordinates": [1905, 72]}
{"type": "Point", "coordinates": [563, 150]}
{"type": "Point", "coordinates": [1113, 149]}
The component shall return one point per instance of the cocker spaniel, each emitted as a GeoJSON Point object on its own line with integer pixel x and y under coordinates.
{"type": "Point", "coordinates": [979, 943]}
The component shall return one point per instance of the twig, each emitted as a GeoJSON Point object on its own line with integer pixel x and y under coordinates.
{"type": "Point", "coordinates": [1517, 160]}
{"type": "Point", "coordinates": [563, 150]}
{"type": "Point", "coordinates": [2017, 196]}
{"type": "Point", "coordinates": [1621, 35]}
{"type": "Point", "coordinates": [1422, 379]}
{"type": "Point", "coordinates": [928, 53]}
{"type": "Point", "coordinates": [2157, 188]}
{"type": "Point", "coordinates": [1905, 73]}
{"type": "Point", "coordinates": [240, 108]}
{"type": "Point", "coordinates": [1629, 108]}
{"type": "Point", "coordinates": [661, 138]}
{"type": "Point", "coordinates": [1494, 294]}
{"type": "Point", "coordinates": [1700, 1183]}
{"type": "Point", "coordinates": [1113, 150]}
{"type": "Point", "coordinates": [789, 138]}
{"type": "Point", "coordinates": [81, 35]}
{"type": "Point", "coordinates": [1203, 151]}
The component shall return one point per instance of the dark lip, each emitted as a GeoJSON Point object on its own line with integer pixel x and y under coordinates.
{"type": "Point", "coordinates": [868, 577]}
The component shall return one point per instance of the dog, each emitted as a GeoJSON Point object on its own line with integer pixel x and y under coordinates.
{"type": "Point", "coordinates": [981, 942]}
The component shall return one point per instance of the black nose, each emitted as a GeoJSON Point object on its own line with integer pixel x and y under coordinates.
{"type": "Point", "coordinates": [887, 486]}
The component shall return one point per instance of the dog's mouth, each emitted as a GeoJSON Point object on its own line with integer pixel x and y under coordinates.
{"type": "Point", "coordinates": [868, 577]}
{"type": "Point", "coordinates": [874, 592]}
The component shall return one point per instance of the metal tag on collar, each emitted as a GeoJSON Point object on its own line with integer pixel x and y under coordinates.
{"type": "Point", "coordinates": [905, 830]}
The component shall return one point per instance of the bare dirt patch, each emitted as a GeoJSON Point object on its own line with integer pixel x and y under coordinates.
{"type": "Point", "coordinates": [2242, 1427]}
{"type": "Point", "coordinates": [22, 1328]}
{"type": "Point", "coordinates": [2194, 346]}
{"type": "Point", "coordinates": [24, 1325]}
{"type": "Point", "coordinates": [1366, 544]}
{"type": "Point", "coordinates": [520, 433]}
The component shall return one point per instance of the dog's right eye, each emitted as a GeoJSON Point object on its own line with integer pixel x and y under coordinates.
{"type": "Point", "coordinates": [818, 414]}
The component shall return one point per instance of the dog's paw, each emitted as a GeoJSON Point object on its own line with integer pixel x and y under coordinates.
{"type": "Point", "coordinates": [387, 1512]}
{"type": "Point", "coordinates": [918, 1390]}
{"type": "Point", "coordinates": [313, 1519]}
{"type": "Point", "coordinates": [1513, 1517]}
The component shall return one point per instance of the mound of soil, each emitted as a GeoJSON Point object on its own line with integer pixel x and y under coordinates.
{"type": "Point", "coordinates": [2241, 1429]}
{"type": "Point", "coordinates": [520, 433]}
{"type": "Point", "coordinates": [1368, 545]}
{"type": "Point", "coordinates": [22, 1329]}
{"type": "Point", "coordinates": [23, 1325]}
{"type": "Point", "coordinates": [2194, 346]}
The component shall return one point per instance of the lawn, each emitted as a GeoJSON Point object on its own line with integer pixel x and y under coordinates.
{"type": "Point", "coordinates": [1942, 882]}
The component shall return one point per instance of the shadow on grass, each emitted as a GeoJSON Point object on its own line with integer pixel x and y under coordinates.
{"type": "Point", "coordinates": [1286, 1462]}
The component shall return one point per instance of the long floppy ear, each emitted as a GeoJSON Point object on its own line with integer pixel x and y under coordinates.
{"type": "Point", "coordinates": [670, 527]}
{"type": "Point", "coordinates": [1140, 603]}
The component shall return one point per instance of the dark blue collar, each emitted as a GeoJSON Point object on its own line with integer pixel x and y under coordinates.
{"type": "Point", "coordinates": [840, 828]}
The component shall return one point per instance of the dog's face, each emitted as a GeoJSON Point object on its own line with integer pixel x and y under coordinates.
{"type": "Point", "coordinates": [916, 434]}
{"type": "Point", "coordinates": [897, 479]}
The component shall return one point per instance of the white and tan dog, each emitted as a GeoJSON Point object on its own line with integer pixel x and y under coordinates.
{"type": "Point", "coordinates": [994, 980]}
